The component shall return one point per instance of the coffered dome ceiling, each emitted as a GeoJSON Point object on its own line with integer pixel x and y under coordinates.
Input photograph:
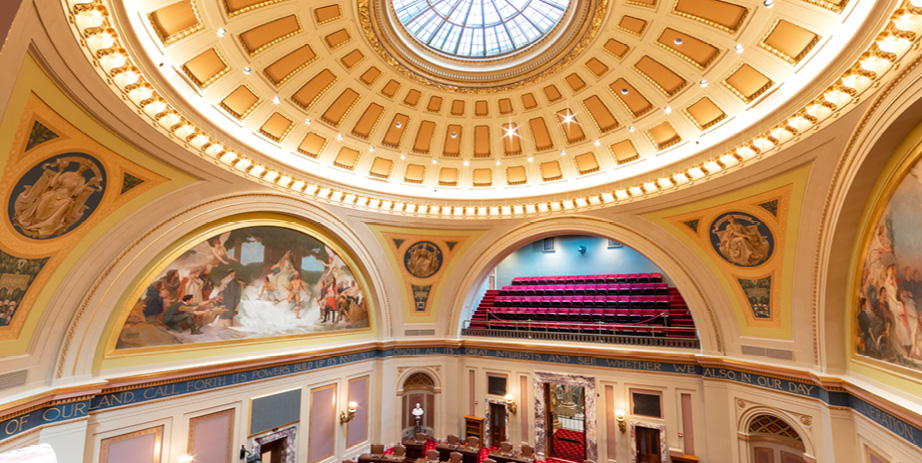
{"type": "Point", "coordinates": [354, 102]}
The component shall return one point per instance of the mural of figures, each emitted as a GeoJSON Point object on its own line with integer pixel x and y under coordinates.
{"type": "Point", "coordinates": [247, 283]}
{"type": "Point", "coordinates": [889, 325]}
{"type": "Point", "coordinates": [57, 195]}
{"type": "Point", "coordinates": [741, 239]}
{"type": "Point", "coordinates": [16, 275]}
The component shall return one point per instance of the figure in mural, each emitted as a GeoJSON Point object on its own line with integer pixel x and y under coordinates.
{"type": "Point", "coordinates": [889, 326]}
{"type": "Point", "coordinates": [59, 198]}
{"type": "Point", "coordinates": [16, 276]}
{"type": "Point", "coordinates": [273, 282]}
{"type": "Point", "coordinates": [744, 244]}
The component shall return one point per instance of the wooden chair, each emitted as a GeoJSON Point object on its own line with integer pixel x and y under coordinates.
{"type": "Point", "coordinates": [400, 450]}
{"type": "Point", "coordinates": [377, 449]}
{"type": "Point", "coordinates": [421, 437]}
{"type": "Point", "coordinates": [432, 455]}
{"type": "Point", "coordinates": [455, 457]}
{"type": "Point", "coordinates": [473, 441]}
{"type": "Point", "coordinates": [505, 447]}
{"type": "Point", "coordinates": [528, 451]}
{"type": "Point", "coordinates": [452, 439]}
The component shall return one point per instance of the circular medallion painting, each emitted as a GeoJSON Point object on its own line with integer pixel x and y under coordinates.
{"type": "Point", "coordinates": [742, 239]}
{"type": "Point", "coordinates": [423, 259]}
{"type": "Point", "coordinates": [56, 195]}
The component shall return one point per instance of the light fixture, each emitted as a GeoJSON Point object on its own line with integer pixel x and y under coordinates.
{"type": "Point", "coordinates": [454, 135]}
{"type": "Point", "coordinates": [307, 121]}
{"type": "Point", "coordinates": [568, 118]}
{"type": "Point", "coordinates": [507, 131]}
{"type": "Point", "coordinates": [398, 125]}
{"type": "Point", "coordinates": [667, 109]}
{"type": "Point", "coordinates": [677, 41]}
{"type": "Point", "coordinates": [276, 100]}
{"type": "Point", "coordinates": [497, 162]}
{"type": "Point", "coordinates": [403, 156]}
{"type": "Point", "coordinates": [597, 143]}
{"type": "Point", "coordinates": [348, 414]}
{"type": "Point", "coordinates": [619, 415]}
{"type": "Point", "coordinates": [466, 162]}
{"type": "Point", "coordinates": [581, 249]}
{"type": "Point", "coordinates": [371, 148]}
{"type": "Point", "coordinates": [624, 91]}
{"type": "Point", "coordinates": [738, 48]}
{"type": "Point", "coordinates": [769, 3]}
{"type": "Point", "coordinates": [531, 159]}
{"type": "Point", "coordinates": [434, 161]}
{"type": "Point", "coordinates": [510, 404]}
{"type": "Point", "coordinates": [185, 458]}
{"type": "Point", "coordinates": [249, 455]}
{"type": "Point", "coordinates": [339, 136]}
{"type": "Point", "coordinates": [631, 129]}
{"type": "Point", "coordinates": [703, 83]}
{"type": "Point", "coordinates": [247, 70]}
{"type": "Point", "coordinates": [222, 32]}
{"type": "Point", "coordinates": [563, 153]}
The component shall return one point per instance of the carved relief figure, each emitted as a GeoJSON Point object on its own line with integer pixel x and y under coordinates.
{"type": "Point", "coordinates": [58, 199]}
{"type": "Point", "coordinates": [741, 239]}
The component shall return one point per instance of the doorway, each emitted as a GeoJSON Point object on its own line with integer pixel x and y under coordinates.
{"type": "Point", "coordinates": [647, 444]}
{"type": "Point", "coordinates": [497, 424]}
{"type": "Point", "coordinates": [272, 452]}
{"type": "Point", "coordinates": [565, 407]}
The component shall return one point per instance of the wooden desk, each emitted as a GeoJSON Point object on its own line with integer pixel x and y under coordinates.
{"type": "Point", "coordinates": [445, 451]}
{"type": "Point", "coordinates": [470, 455]}
{"type": "Point", "coordinates": [415, 449]}
{"type": "Point", "coordinates": [499, 457]}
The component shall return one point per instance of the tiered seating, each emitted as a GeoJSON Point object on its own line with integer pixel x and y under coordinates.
{"type": "Point", "coordinates": [625, 304]}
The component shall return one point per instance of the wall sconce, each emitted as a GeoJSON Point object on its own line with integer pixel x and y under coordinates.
{"type": "Point", "coordinates": [249, 456]}
{"type": "Point", "coordinates": [619, 415]}
{"type": "Point", "coordinates": [185, 458]}
{"type": "Point", "coordinates": [348, 414]}
{"type": "Point", "coordinates": [510, 404]}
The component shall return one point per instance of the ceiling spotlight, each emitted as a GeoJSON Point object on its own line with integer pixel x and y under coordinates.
{"type": "Point", "coordinates": [531, 159]}
{"type": "Point", "coordinates": [403, 156]}
{"type": "Point", "coordinates": [624, 91]}
{"type": "Point", "coordinates": [247, 70]}
{"type": "Point", "coordinates": [631, 129]}
{"type": "Point", "coordinates": [677, 41]}
{"type": "Point", "coordinates": [454, 135]}
{"type": "Point", "coordinates": [568, 118]}
{"type": "Point", "coordinates": [769, 3]}
{"type": "Point", "coordinates": [371, 148]}
{"type": "Point", "coordinates": [509, 132]}
{"type": "Point", "coordinates": [563, 153]}
{"type": "Point", "coordinates": [307, 121]}
{"type": "Point", "coordinates": [276, 100]}
{"type": "Point", "coordinates": [339, 136]}
{"type": "Point", "coordinates": [398, 125]}
{"type": "Point", "coordinates": [222, 32]}
{"type": "Point", "coordinates": [597, 143]}
{"type": "Point", "coordinates": [703, 83]}
{"type": "Point", "coordinates": [435, 161]}
{"type": "Point", "coordinates": [497, 162]}
{"type": "Point", "coordinates": [738, 48]}
{"type": "Point", "coordinates": [467, 163]}
{"type": "Point", "coordinates": [667, 109]}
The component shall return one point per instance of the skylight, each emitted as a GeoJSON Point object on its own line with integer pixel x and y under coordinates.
{"type": "Point", "coordinates": [479, 28]}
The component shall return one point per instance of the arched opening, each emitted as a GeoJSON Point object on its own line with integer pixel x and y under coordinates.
{"type": "Point", "coordinates": [581, 288]}
{"type": "Point", "coordinates": [419, 390]}
{"type": "Point", "coordinates": [771, 439]}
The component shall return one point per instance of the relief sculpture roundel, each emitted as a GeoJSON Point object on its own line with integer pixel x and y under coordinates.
{"type": "Point", "coordinates": [423, 259]}
{"type": "Point", "coordinates": [56, 195]}
{"type": "Point", "coordinates": [742, 239]}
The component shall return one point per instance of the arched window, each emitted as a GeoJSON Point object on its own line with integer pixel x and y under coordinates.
{"type": "Point", "coordinates": [772, 439]}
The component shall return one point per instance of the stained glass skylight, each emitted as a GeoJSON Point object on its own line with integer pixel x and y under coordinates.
{"type": "Point", "coordinates": [479, 28]}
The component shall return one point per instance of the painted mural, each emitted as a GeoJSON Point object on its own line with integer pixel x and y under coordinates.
{"type": "Point", "coordinates": [247, 283]}
{"type": "Point", "coordinates": [16, 276]}
{"type": "Point", "coordinates": [742, 239]}
{"type": "Point", "coordinates": [57, 195]}
{"type": "Point", "coordinates": [889, 324]}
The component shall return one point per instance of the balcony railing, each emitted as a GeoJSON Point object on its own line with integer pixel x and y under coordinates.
{"type": "Point", "coordinates": [603, 333]}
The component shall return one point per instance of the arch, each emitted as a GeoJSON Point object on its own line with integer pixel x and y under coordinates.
{"type": "Point", "coordinates": [703, 306]}
{"type": "Point", "coordinates": [772, 426]}
{"type": "Point", "coordinates": [418, 385]}
{"type": "Point", "coordinates": [887, 133]}
{"type": "Point", "coordinates": [80, 354]}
